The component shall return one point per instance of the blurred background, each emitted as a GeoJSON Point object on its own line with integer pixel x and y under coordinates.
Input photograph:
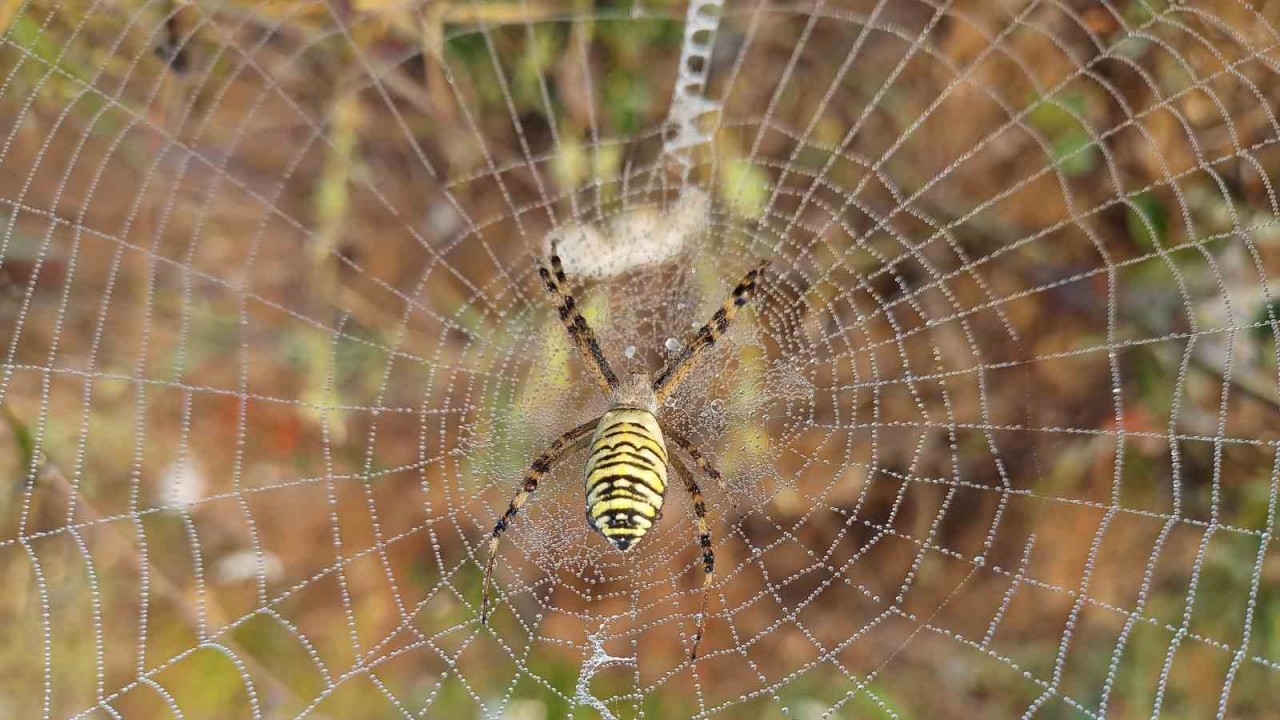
{"type": "Point", "coordinates": [1000, 435]}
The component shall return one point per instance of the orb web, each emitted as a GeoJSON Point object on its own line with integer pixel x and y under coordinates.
{"type": "Point", "coordinates": [998, 434]}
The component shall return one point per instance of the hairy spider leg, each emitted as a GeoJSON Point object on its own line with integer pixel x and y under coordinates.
{"type": "Point", "coordinates": [579, 331]}
{"type": "Point", "coordinates": [704, 541]}
{"type": "Point", "coordinates": [565, 444]}
{"type": "Point", "coordinates": [700, 460]}
{"type": "Point", "coordinates": [678, 369]}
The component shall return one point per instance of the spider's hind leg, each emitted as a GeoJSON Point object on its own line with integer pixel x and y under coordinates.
{"type": "Point", "coordinates": [539, 469]}
{"type": "Point", "coordinates": [704, 542]}
{"type": "Point", "coordinates": [700, 460]}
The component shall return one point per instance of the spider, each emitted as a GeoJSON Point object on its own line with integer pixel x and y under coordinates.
{"type": "Point", "coordinates": [626, 469]}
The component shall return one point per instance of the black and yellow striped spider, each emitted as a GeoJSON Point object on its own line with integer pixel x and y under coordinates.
{"type": "Point", "coordinates": [626, 471]}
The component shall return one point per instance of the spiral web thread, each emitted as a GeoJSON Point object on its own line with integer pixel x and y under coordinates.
{"type": "Point", "coordinates": [1000, 435]}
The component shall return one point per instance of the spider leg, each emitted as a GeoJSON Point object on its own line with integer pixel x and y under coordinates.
{"type": "Point", "coordinates": [563, 445]}
{"type": "Point", "coordinates": [579, 331]}
{"type": "Point", "coordinates": [676, 370]}
{"type": "Point", "coordinates": [699, 459]}
{"type": "Point", "coordinates": [704, 540]}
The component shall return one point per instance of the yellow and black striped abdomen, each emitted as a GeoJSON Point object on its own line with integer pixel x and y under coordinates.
{"type": "Point", "coordinates": [626, 476]}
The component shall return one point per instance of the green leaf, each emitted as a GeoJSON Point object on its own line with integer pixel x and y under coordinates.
{"type": "Point", "coordinates": [627, 96]}
{"type": "Point", "coordinates": [1056, 115]}
{"type": "Point", "coordinates": [21, 435]}
{"type": "Point", "coordinates": [1146, 221]}
{"type": "Point", "coordinates": [1076, 154]}
{"type": "Point", "coordinates": [1262, 329]}
{"type": "Point", "coordinates": [1059, 120]}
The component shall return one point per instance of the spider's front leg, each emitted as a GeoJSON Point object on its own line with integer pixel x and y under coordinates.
{"type": "Point", "coordinates": [563, 445]}
{"type": "Point", "coordinates": [579, 331]}
{"type": "Point", "coordinates": [678, 369]}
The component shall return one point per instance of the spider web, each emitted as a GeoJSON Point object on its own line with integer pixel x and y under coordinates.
{"type": "Point", "coordinates": [999, 435]}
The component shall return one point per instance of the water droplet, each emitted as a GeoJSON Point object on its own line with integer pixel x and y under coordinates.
{"type": "Point", "coordinates": [630, 352]}
{"type": "Point", "coordinates": [672, 345]}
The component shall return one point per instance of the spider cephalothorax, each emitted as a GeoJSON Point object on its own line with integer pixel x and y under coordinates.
{"type": "Point", "coordinates": [626, 468]}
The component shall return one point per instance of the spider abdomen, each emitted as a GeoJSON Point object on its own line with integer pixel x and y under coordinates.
{"type": "Point", "coordinates": [626, 475]}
